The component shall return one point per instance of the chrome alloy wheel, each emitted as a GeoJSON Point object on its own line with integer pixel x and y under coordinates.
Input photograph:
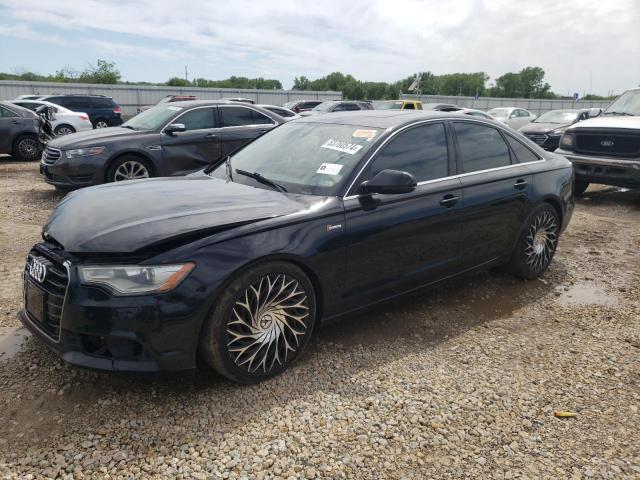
{"type": "Point", "coordinates": [64, 131]}
{"type": "Point", "coordinates": [130, 170]}
{"type": "Point", "coordinates": [541, 241]}
{"type": "Point", "coordinates": [28, 148]}
{"type": "Point", "coordinates": [101, 124]}
{"type": "Point", "coordinates": [267, 323]}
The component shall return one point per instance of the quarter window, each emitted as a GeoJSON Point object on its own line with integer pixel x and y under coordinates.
{"type": "Point", "coordinates": [197, 119]}
{"type": "Point", "coordinates": [481, 148]}
{"type": "Point", "coordinates": [421, 151]}
{"type": "Point", "coordinates": [523, 154]}
{"type": "Point", "coordinates": [241, 116]}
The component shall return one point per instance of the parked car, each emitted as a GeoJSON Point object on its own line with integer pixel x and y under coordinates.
{"type": "Point", "coordinates": [65, 121]}
{"type": "Point", "coordinates": [285, 113]}
{"type": "Point", "coordinates": [475, 113]}
{"type": "Point", "coordinates": [169, 99]}
{"type": "Point", "coordinates": [337, 106]}
{"type": "Point", "coordinates": [547, 129]}
{"type": "Point", "coordinates": [103, 111]}
{"type": "Point", "coordinates": [441, 107]}
{"type": "Point", "coordinates": [168, 139]}
{"type": "Point", "coordinates": [302, 105]}
{"type": "Point", "coordinates": [19, 129]}
{"type": "Point", "coordinates": [322, 216]}
{"type": "Point", "coordinates": [398, 105]}
{"type": "Point", "coordinates": [514, 117]}
{"type": "Point", "coordinates": [606, 149]}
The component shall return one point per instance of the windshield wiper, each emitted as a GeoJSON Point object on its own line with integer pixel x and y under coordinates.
{"type": "Point", "coordinates": [620, 113]}
{"type": "Point", "coordinates": [259, 178]}
{"type": "Point", "coordinates": [127, 126]}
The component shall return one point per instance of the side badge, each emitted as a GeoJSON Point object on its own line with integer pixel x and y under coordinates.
{"type": "Point", "coordinates": [330, 227]}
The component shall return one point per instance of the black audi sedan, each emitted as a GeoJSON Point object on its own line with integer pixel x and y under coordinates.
{"type": "Point", "coordinates": [239, 263]}
{"type": "Point", "coordinates": [169, 139]}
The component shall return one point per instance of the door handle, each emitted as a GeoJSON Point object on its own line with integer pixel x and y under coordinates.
{"type": "Point", "coordinates": [521, 184]}
{"type": "Point", "coordinates": [449, 200]}
{"type": "Point", "coordinates": [211, 135]}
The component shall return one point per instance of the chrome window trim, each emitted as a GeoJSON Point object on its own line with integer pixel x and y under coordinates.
{"type": "Point", "coordinates": [451, 177]}
{"type": "Point", "coordinates": [185, 112]}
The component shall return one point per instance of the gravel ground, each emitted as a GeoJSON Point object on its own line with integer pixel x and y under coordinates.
{"type": "Point", "coordinates": [461, 381]}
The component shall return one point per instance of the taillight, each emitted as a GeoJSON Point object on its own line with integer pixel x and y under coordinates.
{"type": "Point", "coordinates": [84, 117]}
{"type": "Point", "coordinates": [117, 110]}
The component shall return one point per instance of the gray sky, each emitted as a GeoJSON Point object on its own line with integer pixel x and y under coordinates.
{"type": "Point", "coordinates": [373, 40]}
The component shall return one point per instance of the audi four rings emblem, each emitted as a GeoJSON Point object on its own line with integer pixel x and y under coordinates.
{"type": "Point", "coordinates": [37, 270]}
{"type": "Point", "coordinates": [607, 143]}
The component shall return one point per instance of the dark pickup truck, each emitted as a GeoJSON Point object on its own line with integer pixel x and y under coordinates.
{"type": "Point", "coordinates": [606, 149]}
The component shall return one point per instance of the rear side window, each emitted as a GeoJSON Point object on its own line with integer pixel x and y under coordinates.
{"type": "Point", "coordinates": [523, 154]}
{"type": "Point", "coordinates": [481, 148]}
{"type": "Point", "coordinates": [197, 119]}
{"type": "Point", "coordinates": [421, 151]}
{"type": "Point", "coordinates": [56, 100]}
{"type": "Point", "coordinates": [309, 104]}
{"type": "Point", "coordinates": [241, 116]}
{"type": "Point", "coordinates": [409, 106]}
{"type": "Point", "coordinates": [97, 102]}
{"type": "Point", "coordinates": [75, 103]}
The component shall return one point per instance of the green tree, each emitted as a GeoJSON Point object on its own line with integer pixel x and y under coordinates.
{"type": "Point", "coordinates": [178, 82]}
{"type": "Point", "coordinates": [101, 72]}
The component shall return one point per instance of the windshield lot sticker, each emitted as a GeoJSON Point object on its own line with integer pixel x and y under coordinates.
{"type": "Point", "coordinates": [362, 133]}
{"type": "Point", "coordinates": [341, 146]}
{"type": "Point", "coordinates": [329, 168]}
{"type": "Point", "coordinates": [175, 109]}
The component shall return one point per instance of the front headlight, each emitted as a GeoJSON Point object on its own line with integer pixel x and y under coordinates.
{"type": "Point", "coordinates": [556, 133]}
{"type": "Point", "coordinates": [135, 279]}
{"type": "Point", "coordinates": [84, 152]}
{"type": "Point", "coordinates": [567, 140]}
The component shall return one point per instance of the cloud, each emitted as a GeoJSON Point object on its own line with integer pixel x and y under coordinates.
{"type": "Point", "coordinates": [24, 31]}
{"type": "Point", "coordinates": [373, 39]}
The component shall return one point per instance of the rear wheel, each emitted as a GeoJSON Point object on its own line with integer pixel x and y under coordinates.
{"type": "Point", "coordinates": [26, 148]}
{"type": "Point", "coordinates": [260, 324]}
{"type": "Point", "coordinates": [64, 130]}
{"type": "Point", "coordinates": [579, 187]}
{"type": "Point", "coordinates": [101, 123]}
{"type": "Point", "coordinates": [537, 243]}
{"type": "Point", "coordinates": [128, 167]}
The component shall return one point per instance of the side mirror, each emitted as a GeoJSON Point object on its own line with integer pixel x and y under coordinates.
{"type": "Point", "coordinates": [595, 112]}
{"type": "Point", "coordinates": [174, 128]}
{"type": "Point", "coordinates": [389, 182]}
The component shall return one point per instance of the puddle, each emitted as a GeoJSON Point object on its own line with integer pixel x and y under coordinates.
{"type": "Point", "coordinates": [11, 341]}
{"type": "Point", "coordinates": [584, 294]}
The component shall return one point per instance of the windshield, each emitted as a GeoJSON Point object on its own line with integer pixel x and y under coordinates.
{"type": "Point", "coordinates": [154, 118]}
{"type": "Point", "coordinates": [388, 105]}
{"type": "Point", "coordinates": [324, 106]}
{"type": "Point", "coordinates": [561, 117]}
{"type": "Point", "coordinates": [626, 104]}
{"type": "Point", "coordinates": [499, 112]}
{"type": "Point", "coordinates": [306, 158]}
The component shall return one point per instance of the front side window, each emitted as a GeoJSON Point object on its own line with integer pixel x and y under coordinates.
{"type": "Point", "coordinates": [197, 119]}
{"type": "Point", "coordinates": [480, 147]}
{"type": "Point", "coordinates": [421, 151]}
{"type": "Point", "coordinates": [306, 158]}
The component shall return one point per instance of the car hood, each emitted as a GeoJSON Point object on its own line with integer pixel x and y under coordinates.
{"type": "Point", "coordinates": [609, 121]}
{"type": "Point", "coordinates": [93, 137]}
{"type": "Point", "coordinates": [534, 127]}
{"type": "Point", "coordinates": [128, 216]}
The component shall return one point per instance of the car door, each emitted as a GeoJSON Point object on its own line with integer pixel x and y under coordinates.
{"type": "Point", "coordinates": [495, 193]}
{"type": "Point", "coordinates": [396, 243]}
{"type": "Point", "coordinates": [195, 148]}
{"type": "Point", "coordinates": [240, 125]}
{"type": "Point", "coordinates": [11, 124]}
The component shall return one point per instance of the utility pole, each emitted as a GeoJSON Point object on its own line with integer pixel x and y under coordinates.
{"type": "Point", "coordinates": [186, 73]}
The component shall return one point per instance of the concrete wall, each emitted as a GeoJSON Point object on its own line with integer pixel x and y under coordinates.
{"type": "Point", "coordinates": [130, 97]}
{"type": "Point", "coordinates": [486, 103]}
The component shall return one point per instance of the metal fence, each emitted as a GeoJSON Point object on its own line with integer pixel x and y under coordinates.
{"type": "Point", "coordinates": [485, 103]}
{"type": "Point", "coordinates": [130, 97]}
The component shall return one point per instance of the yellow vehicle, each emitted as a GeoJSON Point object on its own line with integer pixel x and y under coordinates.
{"type": "Point", "coordinates": [398, 105]}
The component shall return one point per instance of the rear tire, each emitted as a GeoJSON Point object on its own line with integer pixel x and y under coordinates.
{"type": "Point", "coordinates": [100, 123]}
{"type": "Point", "coordinates": [537, 243]}
{"type": "Point", "coordinates": [27, 148]}
{"type": "Point", "coordinates": [63, 130]}
{"type": "Point", "coordinates": [260, 324]}
{"type": "Point", "coordinates": [579, 187]}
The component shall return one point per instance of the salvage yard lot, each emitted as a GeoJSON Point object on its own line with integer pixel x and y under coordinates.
{"type": "Point", "coordinates": [458, 381]}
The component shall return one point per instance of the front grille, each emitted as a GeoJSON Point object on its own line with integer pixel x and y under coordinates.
{"type": "Point", "coordinates": [539, 138]}
{"type": "Point", "coordinates": [51, 155]}
{"type": "Point", "coordinates": [54, 285]}
{"type": "Point", "coordinates": [614, 144]}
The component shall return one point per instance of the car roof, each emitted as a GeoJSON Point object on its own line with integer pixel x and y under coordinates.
{"type": "Point", "coordinates": [378, 118]}
{"type": "Point", "coordinates": [203, 103]}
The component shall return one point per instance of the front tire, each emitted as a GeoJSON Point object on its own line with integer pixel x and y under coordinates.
{"type": "Point", "coordinates": [27, 148]}
{"type": "Point", "coordinates": [261, 323]}
{"type": "Point", "coordinates": [128, 167]}
{"type": "Point", "coordinates": [537, 243]}
{"type": "Point", "coordinates": [63, 130]}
